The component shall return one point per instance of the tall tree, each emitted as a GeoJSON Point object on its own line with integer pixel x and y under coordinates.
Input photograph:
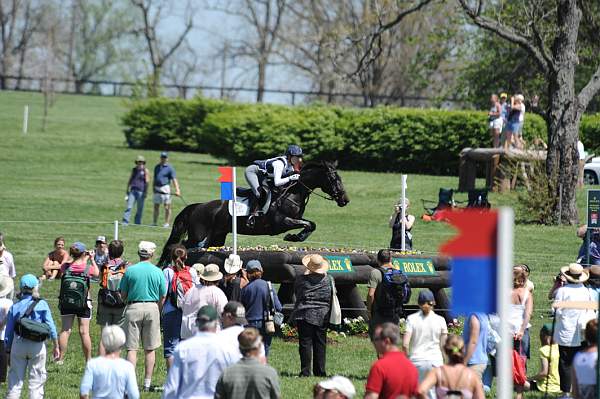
{"type": "Point", "coordinates": [152, 13]}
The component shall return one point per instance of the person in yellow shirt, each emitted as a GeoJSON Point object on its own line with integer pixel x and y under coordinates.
{"type": "Point", "coordinates": [547, 380]}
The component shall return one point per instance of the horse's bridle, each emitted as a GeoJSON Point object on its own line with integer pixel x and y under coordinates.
{"type": "Point", "coordinates": [332, 182]}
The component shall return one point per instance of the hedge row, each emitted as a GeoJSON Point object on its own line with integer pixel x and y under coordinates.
{"type": "Point", "coordinates": [383, 139]}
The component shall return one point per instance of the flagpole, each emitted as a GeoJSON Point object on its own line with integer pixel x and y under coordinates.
{"type": "Point", "coordinates": [234, 214]}
{"type": "Point", "coordinates": [403, 215]}
{"type": "Point", "coordinates": [504, 289]}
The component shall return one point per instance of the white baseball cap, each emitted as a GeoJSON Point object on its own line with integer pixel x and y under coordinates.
{"type": "Point", "coordinates": [146, 248]}
{"type": "Point", "coordinates": [340, 384]}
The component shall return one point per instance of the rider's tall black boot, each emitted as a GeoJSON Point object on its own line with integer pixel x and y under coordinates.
{"type": "Point", "coordinates": [253, 212]}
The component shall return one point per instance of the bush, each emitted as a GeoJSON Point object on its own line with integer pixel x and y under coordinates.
{"type": "Point", "coordinates": [382, 139]}
{"type": "Point", "coordinates": [590, 133]}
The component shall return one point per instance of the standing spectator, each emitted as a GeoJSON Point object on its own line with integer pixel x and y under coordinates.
{"type": "Point", "coordinates": [594, 247]}
{"type": "Point", "coordinates": [584, 364]}
{"type": "Point", "coordinates": [520, 311]}
{"type": "Point", "coordinates": [313, 291]}
{"type": "Point", "coordinates": [248, 378]}
{"type": "Point", "coordinates": [519, 133]}
{"type": "Point", "coordinates": [82, 264]}
{"type": "Point", "coordinates": [108, 376]}
{"type": "Point", "coordinates": [7, 262]}
{"type": "Point", "coordinates": [379, 312]}
{"type": "Point", "coordinates": [385, 381]}
{"type": "Point", "coordinates": [180, 279]}
{"type": "Point", "coordinates": [582, 155]}
{"type": "Point", "coordinates": [198, 362]}
{"type": "Point", "coordinates": [101, 251]}
{"type": "Point", "coordinates": [513, 124]}
{"type": "Point", "coordinates": [25, 353]}
{"type": "Point", "coordinates": [143, 289]}
{"type": "Point", "coordinates": [137, 188]}
{"type": "Point", "coordinates": [396, 222]}
{"type": "Point", "coordinates": [256, 298]}
{"type": "Point", "coordinates": [6, 288]}
{"type": "Point", "coordinates": [475, 335]}
{"type": "Point", "coordinates": [567, 333]}
{"type": "Point", "coordinates": [337, 387]}
{"type": "Point", "coordinates": [234, 280]}
{"type": "Point", "coordinates": [54, 260]}
{"type": "Point", "coordinates": [504, 108]}
{"type": "Point", "coordinates": [425, 337]}
{"type": "Point", "coordinates": [206, 293]}
{"type": "Point", "coordinates": [111, 306]}
{"type": "Point", "coordinates": [495, 120]}
{"type": "Point", "coordinates": [453, 379]}
{"type": "Point", "coordinates": [233, 320]}
{"type": "Point", "coordinates": [164, 174]}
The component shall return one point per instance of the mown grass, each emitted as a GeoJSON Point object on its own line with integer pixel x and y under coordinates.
{"type": "Point", "coordinates": [70, 180]}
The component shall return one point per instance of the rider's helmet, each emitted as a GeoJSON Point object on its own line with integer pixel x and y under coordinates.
{"type": "Point", "coordinates": [293, 151]}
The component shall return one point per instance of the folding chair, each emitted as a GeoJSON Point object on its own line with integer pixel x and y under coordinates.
{"type": "Point", "coordinates": [478, 199]}
{"type": "Point", "coordinates": [445, 200]}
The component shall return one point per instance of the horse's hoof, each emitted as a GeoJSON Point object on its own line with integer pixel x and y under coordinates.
{"type": "Point", "coordinates": [291, 237]}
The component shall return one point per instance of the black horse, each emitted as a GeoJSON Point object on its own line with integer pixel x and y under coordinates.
{"type": "Point", "coordinates": [207, 224]}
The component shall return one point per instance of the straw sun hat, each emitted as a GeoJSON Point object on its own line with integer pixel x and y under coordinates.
{"type": "Point", "coordinates": [574, 273]}
{"type": "Point", "coordinates": [315, 264]}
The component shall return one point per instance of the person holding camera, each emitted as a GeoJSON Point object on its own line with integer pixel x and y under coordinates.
{"type": "Point", "coordinates": [396, 223]}
{"type": "Point", "coordinates": [28, 326]}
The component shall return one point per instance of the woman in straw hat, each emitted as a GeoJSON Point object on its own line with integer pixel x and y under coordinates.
{"type": "Point", "coordinates": [6, 289]}
{"type": "Point", "coordinates": [313, 291]}
{"type": "Point", "coordinates": [568, 333]}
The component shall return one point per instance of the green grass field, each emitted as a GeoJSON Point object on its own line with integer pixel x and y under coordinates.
{"type": "Point", "coordinates": [70, 180]}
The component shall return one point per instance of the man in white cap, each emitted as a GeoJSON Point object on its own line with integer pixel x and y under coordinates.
{"type": "Point", "coordinates": [337, 387]}
{"type": "Point", "coordinates": [143, 288]}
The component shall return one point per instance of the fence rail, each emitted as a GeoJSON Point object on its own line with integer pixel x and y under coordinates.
{"type": "Point", "coordinates": [126, 89]}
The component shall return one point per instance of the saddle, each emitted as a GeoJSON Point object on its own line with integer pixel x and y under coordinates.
{"type": "Point", "coordinates": [244, 199]}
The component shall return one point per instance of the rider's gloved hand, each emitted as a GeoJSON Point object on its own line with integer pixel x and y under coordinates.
{"type": "Point", "coordinates": [294, 177]}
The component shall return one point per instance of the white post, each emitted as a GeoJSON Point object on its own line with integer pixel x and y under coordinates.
{"type": "Point", "coordinates": [403, 210]}
{"type": "Point", "coordinates": [234, 216]}
{"type": "Point", "coordinates": [25, 118]}
{"type": "Point", "coordinates": [504, 382]}
{"type": "Point", "coordinates": [116, 230]}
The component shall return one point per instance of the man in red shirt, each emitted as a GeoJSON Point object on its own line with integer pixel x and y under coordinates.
{"type": "Point", "coordinates": [393, 375]}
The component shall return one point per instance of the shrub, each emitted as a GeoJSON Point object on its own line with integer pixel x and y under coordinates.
{"type": "Point", "coordinates": [590, 133]}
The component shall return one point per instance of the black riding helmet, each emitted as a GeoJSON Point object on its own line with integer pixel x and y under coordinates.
{"type": "Point", "coordinates": [293, 151]}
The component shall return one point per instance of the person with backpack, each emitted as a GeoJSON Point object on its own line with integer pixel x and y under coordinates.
{"type": "Point", "coordinates": [110, 304]}
{"type": "Point", "coordinates": [180, 278]}
{"type": "Point", "coordinates": [75, 300]}
{"type": "Point", "coordinates": [143, 289]}
{"type": "Point", "coordinates": [388, 292]}
{"type": "Point", "coordinates": [28, 326]}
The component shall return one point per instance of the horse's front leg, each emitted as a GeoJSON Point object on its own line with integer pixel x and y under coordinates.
{"type": "Point", "coordinates": [307, 228]}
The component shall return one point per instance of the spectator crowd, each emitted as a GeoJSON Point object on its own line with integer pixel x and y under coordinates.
{"type": "Point", "coordinates": [216, 329]}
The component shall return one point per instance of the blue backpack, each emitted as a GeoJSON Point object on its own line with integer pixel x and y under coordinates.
{"type": "Point", "coordinates": [393, 293]}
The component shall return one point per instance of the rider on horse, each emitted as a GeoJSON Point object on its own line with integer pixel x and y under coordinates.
{"type": "Point", "coordinates": [277, 171]}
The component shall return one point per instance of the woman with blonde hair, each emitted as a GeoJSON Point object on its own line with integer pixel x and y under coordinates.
{"type": "Point", "coordinates": [519, 315]}
{"type": "Point", "coordinates": [513, 125]}
{"type": "Point", "coordinates": [453, 380]}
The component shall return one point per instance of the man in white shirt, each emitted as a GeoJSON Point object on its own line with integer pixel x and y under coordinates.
{"type": "Point", "coordinates": [7, 263]}
{"type": "Point", "coordinates": [233, 320]}
{"type": "Point", "coordinates": [425, 337]}
{"type": "Point", "coordinates": [198, 362]}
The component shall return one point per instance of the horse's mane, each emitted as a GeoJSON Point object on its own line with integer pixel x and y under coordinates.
{"type": "Point", "coordinates": [316, 165]}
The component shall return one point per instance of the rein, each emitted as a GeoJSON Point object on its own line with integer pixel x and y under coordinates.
{"type": "Point", "coordinates": [312, 191]}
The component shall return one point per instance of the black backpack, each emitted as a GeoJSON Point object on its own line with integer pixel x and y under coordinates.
{"type": "Point", "coordinates": [32, 330]}
{"type": "Point", "coordinates": [392, 293]}
{"type": "Point", "coordinates": [74, 288]}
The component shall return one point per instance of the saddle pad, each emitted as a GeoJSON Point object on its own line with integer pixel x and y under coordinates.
{"type": "Point", "coordinates": [242, 204]}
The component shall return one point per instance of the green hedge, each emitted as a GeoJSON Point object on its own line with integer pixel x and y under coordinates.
{"type": "Point", "coordinates": [590, 133]}
{"type": "Point", "coordinates": [384, 139]}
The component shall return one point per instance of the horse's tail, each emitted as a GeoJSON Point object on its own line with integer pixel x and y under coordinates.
{"type": "Point", "coordinates": [180, 228]}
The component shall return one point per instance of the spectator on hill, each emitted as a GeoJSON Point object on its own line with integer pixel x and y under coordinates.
{"type": "Point", "coordinates": [313, 290]}
{"type": "Point", "coordinates": [594, 246]}
{"type": "Point", "coordinates": [475, 335]}
{"type": "Point", "coordinates": [495, 120]}
{"type": "Point", "coordinates": [385, 381]}
{"type": "Point", "coordinates": [199, 361]}
{"type": "Point", "coordinates": [234, 279]}
{"type": "Point", "coordinates": [111, 306]}
{"type": "Point", "coordinates": [520, 311]}
{"type": "Point", "coordinates": [6, 289]}
{"type": "Point", "coordinates": [567, 333]}
{"type": "Point", "coordinates": [256, 297]}
{"type": "Point", "coordinates": [513, 124]}
{"type": "Point", "coordinates": [206, 293]}
{"type": "Point", "coordinates": [143, 289]}
{"type": "Point", "coordinates": [108, 376]}
{"type": "Point", "coordinates": [337, 387]}
{"type": "Point", "coordinates": [547, 379]}
{"type": "Point", "coordinates": [137, 188]}
{"type": "Point", "coordinates": [249, 378]}
{"type": "Point", "coordinates": [585, 364]}
{"type": "Point", "coordinates": [54, 260]}
{"type": "Point", "coordinates": [24, 353]}
{"type": "Point", "coordinates": [453, 379]}
{"type": "Point", "coordinates": [180, 279]}
{"type": "Point", "coordinates": [101, 251]}
{"type": "Point", "coordinates": [7, 262]}
{"type": "Point", "coordinates": [164, 174]}
{"type": "Point", "coordinates": [425, 336]}
{"type": "Point", "coordinates": [396, 226]}
{"type": "Point", "coordinates": [82, 264]}
{"type": "Point", "coordinates": [504, 108]}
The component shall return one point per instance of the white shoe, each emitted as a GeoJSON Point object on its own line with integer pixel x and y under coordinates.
{"type": "Point", "coordinates": [166, 225]}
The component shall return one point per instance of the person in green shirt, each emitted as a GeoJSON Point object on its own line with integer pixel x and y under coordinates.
{"type": "Point", "coordinates": [143, 288]}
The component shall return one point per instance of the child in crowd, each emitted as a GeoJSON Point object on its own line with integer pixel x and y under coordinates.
{"type": "Point", "coordinates": [54, 260]}
{"type": "Point", "coordinates": [547, 379]}
{"type": "Point", "coordinates": [101, 251]}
